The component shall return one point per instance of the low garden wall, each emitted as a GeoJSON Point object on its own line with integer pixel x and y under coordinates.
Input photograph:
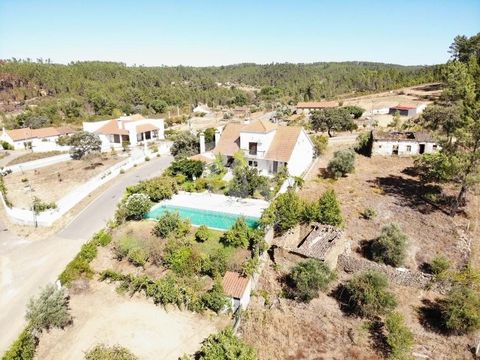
{"type": "Point", "coordinates": [36, 164]}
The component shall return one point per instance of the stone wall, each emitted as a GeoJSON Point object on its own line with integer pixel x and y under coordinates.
{"type": "Point", "coordinates": [399, 276]}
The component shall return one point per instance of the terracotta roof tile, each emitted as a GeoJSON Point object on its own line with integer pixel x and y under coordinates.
{"type": "Point", "coordinates": [234, 284]}
{"type": "Point", "coordinates": [27, 133]}
{"type": "Point", "coordinates": [283, 143]}
{"type": "Point", "coordinates": [146, 127]}
{"type": "Point", "coordinates": [20, 134]}
{"type": "Point", "coordinates": [112, 128]}
{"type": "Point", "coordinates": [259, 126]}
{"type": "Point", "coordinates": [229, 142]}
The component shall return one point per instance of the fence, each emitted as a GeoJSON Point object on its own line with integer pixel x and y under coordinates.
{"type": "Point", "coordinates": [47, 218]}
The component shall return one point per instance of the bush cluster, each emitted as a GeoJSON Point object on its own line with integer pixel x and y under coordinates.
{"type": "Point", "coordinates": [390, 247]}
{"type": "Point", "coordinates": [157, 189]}
{"type": "Point", "coordinates": [342, 163]}
{"type": "Point", "coordinates": [188, 168]}
{"type": "Point", "coordinates": [80, 265]}
{"type": "Point", "coordinates": [23, 348]}
{"type": "Point", "coordinates": [307, 278]}
{"type": "Point", "coordinates": [6, 146]}
{"type": "Point", "coordinates": [103, 352]}
{"type": "Point", "coordinates": [171, 289]}
{"type": "Point", "coordinates": [399, 336]}
{"type": "Point", "coordinates": [40, 206]}
{"type": "Point", "coordinates": [170, 223]}
{"type": "Point", "coordinates": [136, 206]}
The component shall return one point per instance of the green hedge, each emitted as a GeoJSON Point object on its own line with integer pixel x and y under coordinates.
{"type": "Point", "coordinates": [80, 265]}
{"type": "Point", "coordinates": [23, 348]}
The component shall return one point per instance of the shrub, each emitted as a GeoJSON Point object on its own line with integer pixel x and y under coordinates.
{"type": "Point", "coordinates": [307, 278]}
{"type": "Point", "coordinates": [102, 238]}
{"type": "Point", "coordinates": [329, 209]}
{"type": "Point", "coordinates": [6, 146]}
{"type": "Point", "coordinates": [23, 348]}
{"type": "Point", "coordinates": [182, 259]}
{"type": "Point", "coordinates": [187, 167]}
{"type": "Point", "coordinates": [439, 265]}
{"type": "Point", "coordinates": [103, 352]}
{"type": "Point", "coordinates": [287, 211]}
{"type": "Point", "coordinates": [461, 310]}
{"type": "Point", "coordinates": [215, 265]}
{"type": "Point", "coordinates": [250, 266]}
{"type": "Point", "coordinates": [157, 189]}
{"type": "Point", "coordinates": [80, 265]}
{"type": "Point", "coordinates": [131, 249]}
{"type": "Point", "coordinates": [137, 205]}
{"type": "Point", "coordinates": [171, 223]}
{"type": "Point", "coordinates": [310, 212]}
{"type": "Point", "coordinates": [368, 296]}
{"type": "Point", "coordinates": [369, 213]}
{"type": "Point", "coordinates": [399, 337]}
{"type": "Point", "coordinates": [238, 235]}
{"type": "Point", "coordinates": [49, 310]}
{"type": "Point", "coordinates": [215, 298]}
{"type": "Point", "coordinates": [202, 234]}
{"type": "Point", "coordinates": [40, 206]}
{"type": "Point", "coordinates": [226, 346]}
{"type": "Point", "coordinates": [364, 144]}
{"type": "Point", "coordinates": [343, 163]}
{"type": "Point", "coordinates": [354, 110]}
{"type": "Point", "coordinates": [320, 143]}
{"type": "Point", "coordinates": [390, 247]}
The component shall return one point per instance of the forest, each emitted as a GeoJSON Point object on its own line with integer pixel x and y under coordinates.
{"type": "Point", "coordinates": [45, 93]}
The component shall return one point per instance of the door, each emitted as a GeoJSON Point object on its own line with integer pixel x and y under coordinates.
{"type": "Point", "coordinates": [395, 150]}
{"type": "Point", "coordinates": [252, 148]}
{"type": "Point", "coordinates": [275, 167]}
{"type": "Point", "coordinates": [421, 148]}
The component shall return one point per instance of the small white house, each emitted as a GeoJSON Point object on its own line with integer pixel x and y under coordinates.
{"type": "Point", "coordinates": [403, 143]}
{"type": "Point", "coordinates": [237, 288]}
{"type": "Point", "coordinates": [266, 146]}
{"type": "Point", "coordinates": [38, 140]}
{"type": "Point", "coordinates": [132, 130]}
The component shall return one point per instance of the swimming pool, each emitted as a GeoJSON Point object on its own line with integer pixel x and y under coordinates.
{"type": "Point", "coordinates": [212, 219]}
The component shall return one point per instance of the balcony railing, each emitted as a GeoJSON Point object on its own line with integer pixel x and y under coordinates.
{"type": "Point", "coordinates": [258, 155]}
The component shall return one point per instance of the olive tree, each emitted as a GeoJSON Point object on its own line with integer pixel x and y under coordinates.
{"type": "Point", "coordinates": [390, 247]}
{"type": "Point", "coordinates": [343, 163]}
{"type": "Point", "coordinates": [83, 143]}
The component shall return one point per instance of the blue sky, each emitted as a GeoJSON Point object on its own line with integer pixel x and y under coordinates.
{"type": "Point", "coordinates": [216, 32]}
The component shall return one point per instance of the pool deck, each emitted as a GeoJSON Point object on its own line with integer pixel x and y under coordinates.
{"type": "Point", "coordinates": [219, 203]}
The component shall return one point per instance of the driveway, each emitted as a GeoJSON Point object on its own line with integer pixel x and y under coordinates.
{"type": "Point", "coordinates": [27, 265]}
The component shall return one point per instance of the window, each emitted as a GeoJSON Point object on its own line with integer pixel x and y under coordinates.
{"type": "Point", "coordinates": [434, 147]}
{"type": "Point", "coordinates": [253, 163]}
{"type": "Point", "coordinates": [409, 148]}
{"type": "Point", "coordinates": [252, 148]}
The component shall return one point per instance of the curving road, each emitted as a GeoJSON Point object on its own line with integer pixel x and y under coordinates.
{"type": "Point", "coordinates": [27, 265]}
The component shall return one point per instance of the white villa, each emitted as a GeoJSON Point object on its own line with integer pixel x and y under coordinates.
{"type": "Point", "coordinates": [266, 146]}
{"type": "Point", "coordinates": [403, 143]}
{"type": "Point", "coordinates": [134, 130]}
{"type": "Point", "coordinates": [38, 140]}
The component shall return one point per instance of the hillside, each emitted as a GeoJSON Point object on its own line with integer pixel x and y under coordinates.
{"type": "Point", "coordinates": [88, 90]}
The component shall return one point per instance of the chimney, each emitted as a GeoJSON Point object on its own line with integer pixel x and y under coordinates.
{"type": "Point", "coordinates": [217, 136]}
{"type": "Point", "coordinates": [202, 142]}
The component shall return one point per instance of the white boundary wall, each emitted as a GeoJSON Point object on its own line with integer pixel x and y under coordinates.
{"type": "Point", "coordinates": [35, 164]}
{"type": "Point", "coordinates": [47, 218]}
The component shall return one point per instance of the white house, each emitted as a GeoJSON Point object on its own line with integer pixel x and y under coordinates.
{"type": "Point", "coordinates": [266, 146]}
{"type": "Point", "coordinates": [403, 143]}
{"type": "Point", "coordinates": [237, 288]}
{"type": "Point", "coordinates": [39, 140]}
{"type": "Point", "coordinates": [134, 129]}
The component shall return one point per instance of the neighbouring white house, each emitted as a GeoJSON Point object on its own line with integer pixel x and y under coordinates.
{"type": "Point", "coordinates": [237, 288]}
{"type": "Point", "coordinates": [38, 140]}
{"type": "Point", "coordinates": [403, 143]}
{"type": "Point", "coordinates": [133, 130]}
{"type": "Point", "coordinates": [266, 146]}
{"type": "Point", "coordinates": [308, 106]}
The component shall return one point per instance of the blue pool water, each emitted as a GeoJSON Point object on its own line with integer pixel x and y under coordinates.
{"type": "Point", "coordinates": [212, 219]}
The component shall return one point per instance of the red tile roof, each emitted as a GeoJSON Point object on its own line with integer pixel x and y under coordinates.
{"type": "Point", "coordinates": [403, 107]}
{"type": "Point", "coordinates": [234, 284]}
{"type": "Point", "coordinates": [112, 128]}
{"type": "Point", "coordinates": [259, 126]}
{"type": "Point", "coordinates": [146, 127]}
{"type": "Point", "coordinates": [27, 133]}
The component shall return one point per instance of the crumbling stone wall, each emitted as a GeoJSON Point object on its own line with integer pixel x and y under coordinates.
{"type": "Point", "coordinates": [403, 277]}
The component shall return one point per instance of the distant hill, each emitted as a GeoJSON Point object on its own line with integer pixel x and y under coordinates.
{"type": "Point", "coordinates": [89, 90]}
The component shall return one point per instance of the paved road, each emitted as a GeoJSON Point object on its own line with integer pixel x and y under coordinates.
{"type": "Point", "coordinates": [27, 265]}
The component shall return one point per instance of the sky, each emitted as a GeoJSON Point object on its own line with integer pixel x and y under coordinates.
{"type": "Point", "coordinates": [222, 32]}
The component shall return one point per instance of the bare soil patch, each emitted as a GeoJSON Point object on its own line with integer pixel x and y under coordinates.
{"type": "Point", "coordinates": [382, 183]}
{"type": "Point", "coordinates": [284, 329]}
{"type": "Point", "coordinates": [103, 316]}
{"type": "Point", "coordinates": [52, 182]}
